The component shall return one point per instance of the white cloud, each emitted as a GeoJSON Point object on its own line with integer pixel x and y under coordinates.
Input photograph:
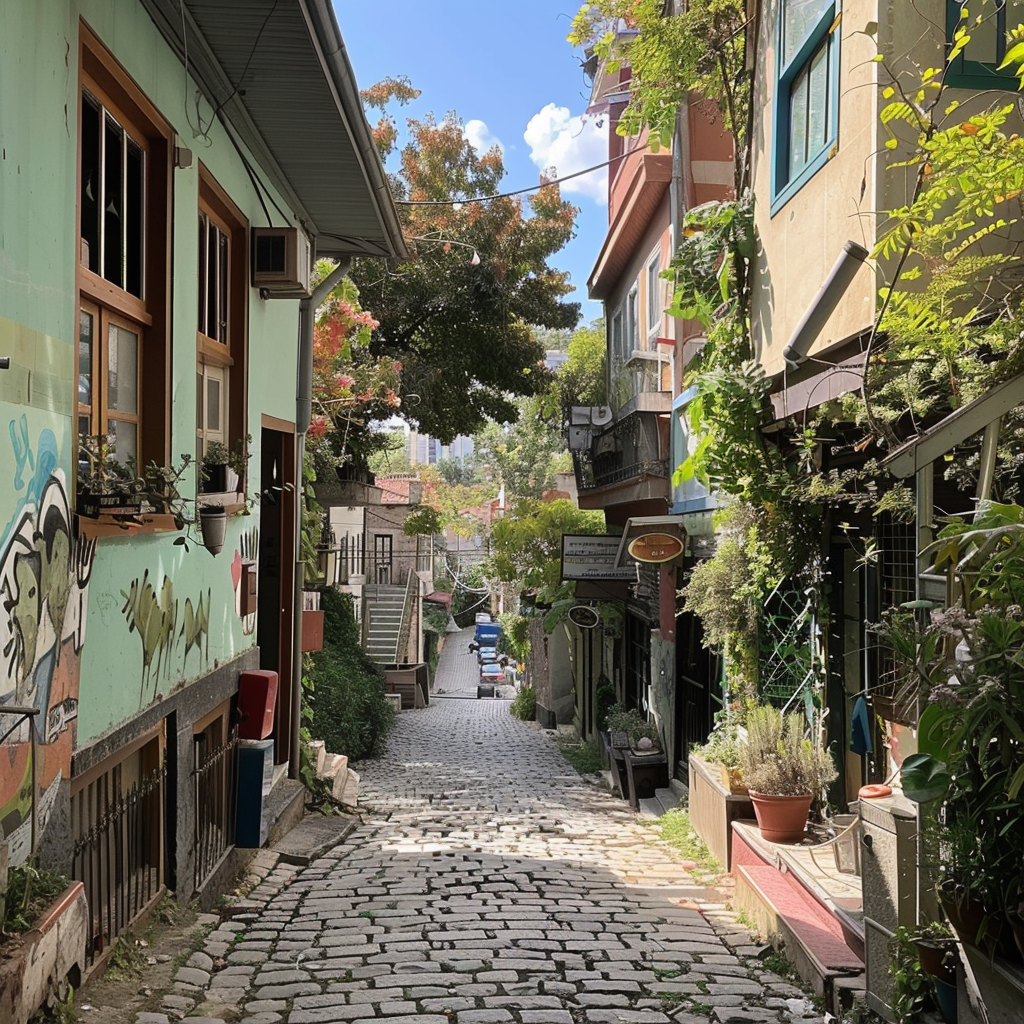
{"type": "Point", "coordinates": [479, 136]}
{"type": "Point", "coordinates": [569, 144]}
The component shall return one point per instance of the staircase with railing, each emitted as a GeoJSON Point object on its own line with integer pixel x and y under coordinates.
{"type": "Point", "coordinates": [388, 619]}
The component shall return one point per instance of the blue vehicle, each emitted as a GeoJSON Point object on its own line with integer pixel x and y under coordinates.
{"type": "Point", "coordinates": [487, 634]}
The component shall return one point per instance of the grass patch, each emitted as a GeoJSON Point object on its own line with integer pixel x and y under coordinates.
{"type": "Point", "coordinates": [584, 757]}
{"type": "Point", "coordinates": [676, 831]}
{"type": "Point", "coordinates": [778, 963]}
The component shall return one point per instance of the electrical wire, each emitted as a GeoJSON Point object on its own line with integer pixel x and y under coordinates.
{"type": "Point", "coordinates": [520, 191]}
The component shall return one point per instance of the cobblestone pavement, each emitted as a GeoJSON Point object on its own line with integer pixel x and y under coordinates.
{"type": "Point", "coordinates": [488, 883]}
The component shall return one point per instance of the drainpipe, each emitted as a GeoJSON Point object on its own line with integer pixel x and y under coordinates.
{"type": "Point", "coordinates": [303, 416]}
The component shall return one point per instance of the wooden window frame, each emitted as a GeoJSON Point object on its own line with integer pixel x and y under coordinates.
{"type": "Point", "coordinates": [107, 82]}
{"type": "Point", "coordinates": [217, 208]}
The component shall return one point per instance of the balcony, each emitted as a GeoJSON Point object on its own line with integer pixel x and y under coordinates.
{"type": "Point", "coordinates": [626, 463]}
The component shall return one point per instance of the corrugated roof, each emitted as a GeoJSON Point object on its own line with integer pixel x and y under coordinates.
{"type": "Point", "coordinates": [279, 74]}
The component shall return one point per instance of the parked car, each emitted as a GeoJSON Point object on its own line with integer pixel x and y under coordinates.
{"type": "Point", "coordinates": [486, 654]}
{"type": "Point", "coordinates": [482, 617]}
{"type": "Point", "coordinates": [492, 672]}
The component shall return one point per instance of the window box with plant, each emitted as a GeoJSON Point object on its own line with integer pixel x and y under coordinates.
{"type": "Point", "coordinates": [223, 468]}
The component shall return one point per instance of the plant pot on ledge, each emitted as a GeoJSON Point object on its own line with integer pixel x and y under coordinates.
{"type": "Point", "coordinates": [781, 819]}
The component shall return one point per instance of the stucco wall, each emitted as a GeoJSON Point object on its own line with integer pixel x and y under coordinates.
{"type": "Point", "coordinates": [94, 634]}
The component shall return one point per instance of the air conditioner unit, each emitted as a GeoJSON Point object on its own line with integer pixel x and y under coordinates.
{"type": "Point", "coordinates": [281, 261]}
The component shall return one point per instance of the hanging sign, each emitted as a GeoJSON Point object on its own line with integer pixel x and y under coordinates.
{"type": "Point", "coordinates": [655, 547]}
{"type": "Point", "coordinates": [584, 616]}
{"type": "Point", "coordinates": [593, 558]}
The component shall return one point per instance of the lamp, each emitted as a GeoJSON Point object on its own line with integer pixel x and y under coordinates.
{"type": "Point", "coordinates": [325, 555]}
{"type": "Point", "coordinates": [851, 259]}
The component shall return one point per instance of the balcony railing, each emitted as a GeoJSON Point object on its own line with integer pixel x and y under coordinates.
{"type": "Point", "coordinates": [629, 449]}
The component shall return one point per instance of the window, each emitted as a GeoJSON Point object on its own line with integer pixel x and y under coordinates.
{"type": "Point", "coordinates": [806, 94]}
{"type": "Point", "coordinates": [222, 299]}
{"type": "Point", "coordinates": [654, 302]}
{"type": "Point", "coordinates": [976, 66]}
{"type": "Point", "coordinates": [632, 340]}
{"type": "Point", "coordinates": [618, 358]}
{"type": "Point", "coordinates": [123, 236]}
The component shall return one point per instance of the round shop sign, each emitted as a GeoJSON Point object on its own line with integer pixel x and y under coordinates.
{"type": "Point", "coordinates": [655, 547]}
{"type": "Point", "coordinates": [584, 616]}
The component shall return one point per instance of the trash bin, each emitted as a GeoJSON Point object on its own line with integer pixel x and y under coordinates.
{"type": "Point", "coordinates": [255, 777]}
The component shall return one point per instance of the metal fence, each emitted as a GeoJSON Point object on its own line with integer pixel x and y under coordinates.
{"type": "Point", "coordinates": [117, 851]}
{"type": "Point", "coordinates": [214, 780]}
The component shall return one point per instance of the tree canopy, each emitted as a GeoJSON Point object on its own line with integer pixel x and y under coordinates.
{"type": "Point", "coordinates": [461, 328]}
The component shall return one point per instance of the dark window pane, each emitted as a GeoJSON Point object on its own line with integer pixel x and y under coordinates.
{"type": "Point", "coordinates": [202, 275]}
{"type": "Point", "coordinates": [92, 185]}
{"type": "Point", "coordinates": [134, 217]}
{"type": "Point", "coordinates": [212, 251]}
{"type": "Point", "coordinates": [113, 201]}
{"type": "Point", "coordinates": [85, 348]}
{"type": "Point", "coordinates": [222, 285]}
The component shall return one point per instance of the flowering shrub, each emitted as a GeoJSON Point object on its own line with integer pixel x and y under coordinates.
{"type": "Point", "coordinates": [778, 760]}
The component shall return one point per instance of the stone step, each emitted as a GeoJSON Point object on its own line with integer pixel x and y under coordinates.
{"type": "Point", "coordinates": [664, 799]}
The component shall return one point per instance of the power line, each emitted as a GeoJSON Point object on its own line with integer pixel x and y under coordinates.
{"type": "Point", "coordinates": [518, 191]}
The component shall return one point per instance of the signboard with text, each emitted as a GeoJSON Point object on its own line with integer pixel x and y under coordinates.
{"type": "Point", "coordinates": [593, 558]}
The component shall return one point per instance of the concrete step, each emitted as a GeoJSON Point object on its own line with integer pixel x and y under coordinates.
{"type": "Point", "coordinates": [663, 800]}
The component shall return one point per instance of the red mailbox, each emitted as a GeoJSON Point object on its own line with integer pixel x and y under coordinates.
{"type": "Point", "coordinates": [257, 694]}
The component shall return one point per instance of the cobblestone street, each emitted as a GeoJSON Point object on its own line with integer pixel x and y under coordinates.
{"type": "Point", "coordinates": [487, 883]}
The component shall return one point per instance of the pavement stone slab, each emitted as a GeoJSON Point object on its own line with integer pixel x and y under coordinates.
{"type": "Point", "coordinates": [483, 882]}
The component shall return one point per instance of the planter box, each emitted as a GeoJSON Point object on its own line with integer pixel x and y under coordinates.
{"type": "Point", "coordinates": [312, 631]}
{"type": "Point", "coordinates": [45, 957]}
{"type": "Point", "coordinates": [714, 807]}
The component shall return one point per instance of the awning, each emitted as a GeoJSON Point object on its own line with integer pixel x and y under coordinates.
{"type": "Point", "coordinates": [278, 72]}
{"type": "Point", "coordinates": [439, 597]}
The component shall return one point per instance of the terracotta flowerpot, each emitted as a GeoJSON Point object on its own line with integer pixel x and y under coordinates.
{"type": "Point", "coordinates": [782, 819]}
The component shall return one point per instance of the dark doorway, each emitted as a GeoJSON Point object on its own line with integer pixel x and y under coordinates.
{"type": "Point", "coordinates": [698, 691]}
{"type": "Point", "coordinates": [277, 575]}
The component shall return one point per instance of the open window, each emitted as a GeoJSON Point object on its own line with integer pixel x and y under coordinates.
{"type": "Point", "coordinates": [122, 281]}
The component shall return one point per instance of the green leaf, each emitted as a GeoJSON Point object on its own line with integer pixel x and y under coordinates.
{"type": "Point", "coordinates": [1014, 55]}
{"type": "Point", "coordinates": [891, 143]}
{"type": "Point", "coordinates": [924, 778]}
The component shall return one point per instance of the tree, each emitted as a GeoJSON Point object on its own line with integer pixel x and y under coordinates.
{"type": "Point", "coordinates": [527, 544]}
{"type": "Point", "coordinates": [461, 328]}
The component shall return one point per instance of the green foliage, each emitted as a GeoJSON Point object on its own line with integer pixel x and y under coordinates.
{"type": "Point", "coordinates": [778, 760]}
{"type": "Point", "coordinates": [462, 331]}
{"type": "Point", "coordinates": [524, 705]}
{"type": "Point", "coordinates": [515, 635]}
{"type": "Point", "coordinates": [423, 521]}
{"type": "Point", "coordinates": [30, 891]}
{"type": "Point", "coordinates": [677, 831]}
{"type": "Point", "coordinates": [604, 700]}
{"type": "Point", "coordinates": [911, 987]}
{"type": "Point", "coordinates": [584, 757]}
{"type": "Point", "coordinates": [702, 49]}
{"type": "Point", "coordinates": [527, 543]}
{"type": "Point", "coordinates": [348, 708]}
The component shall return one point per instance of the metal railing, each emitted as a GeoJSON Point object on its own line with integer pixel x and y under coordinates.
{"type": "Point", "coordinates": [214, 788]}
{"type": "Point", "coordinates": [117, 852]}
{"type": "Point", "coordinates": [627, 450]}
{"type": "Point", "coordinates": [412, 593]}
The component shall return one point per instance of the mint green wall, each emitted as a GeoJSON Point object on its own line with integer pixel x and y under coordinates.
{"type": "Point", "coordinates": [122, 670]}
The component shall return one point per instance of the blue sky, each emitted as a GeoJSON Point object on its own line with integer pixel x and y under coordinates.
{"type": "Point", "coordinates": [508, 72]}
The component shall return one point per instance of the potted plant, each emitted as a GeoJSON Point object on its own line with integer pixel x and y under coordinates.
{"type": "Point", "coordinates": [784, 772]}
{"type": "Point", "coordinates": [213, 521]}
{"type": "Point", "coordinates": [105, 484]}
{"type": "Point", "coordinates": [238, 462]}
{"type": "Point", "coordinates": [969, 660]}
{"type": "Point", "coordinates": [214, 469]}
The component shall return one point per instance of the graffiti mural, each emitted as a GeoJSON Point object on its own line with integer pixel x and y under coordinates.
{"type": "Point", "coordinates": [153, 615]}
{"type": "Point", "coordinates": [249, 545]}
{"type": "Point", "coordinates": [44, 585]}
